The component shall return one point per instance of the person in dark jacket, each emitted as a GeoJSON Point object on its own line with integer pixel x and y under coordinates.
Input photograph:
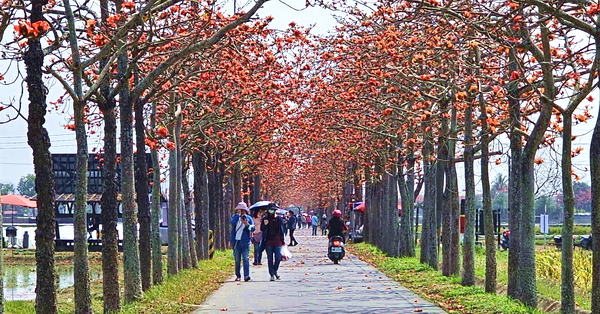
{"type": "Point", "coordinates": [291, 224]}
{"type": "Point", "coordinates": [273, 240]}
{"type": "Point", "coordinates": [242, 226]}
{"type": "Point", "coordinates": [336, 225]}
{"type": "Point", "coordinates": [324, 224]}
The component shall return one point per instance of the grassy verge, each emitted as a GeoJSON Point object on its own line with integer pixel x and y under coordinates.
{"type": "Point", "coordinates": [188, 289]}
{"type": "Point", "coordinates": [445, 292]}
{"type": "Point", "coordinates": [548, 284]}
{"type": "Point", "coordinates": [181, 293]}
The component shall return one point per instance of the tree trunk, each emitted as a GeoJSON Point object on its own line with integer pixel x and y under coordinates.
{"type": "Point", "coordinates": [514, 183]}
{"type": "Point", "coordinates": [429, 245]}
{"type": "Point", "coordinates": [256, 193]}
{"type": "Point", "coordinates": [468, 277]}
{"type": "Point", "coordinates": [213, 216]}
{"type": "Point", "coordinates": [156, 208]}
{"type": "Point", "coordinates": [447, 229]}
{"type": "Point", "coordinates": [131, 255]}
{"type": "Point", "coordinates": [173, 224]}
{"type": "Point", "coordinates": [142, 187]}
{"type": "Point", "coordinates": [454, 212]}
{"type": "Point", "coordinates": [110, 212]}
{"type": "Point", "coordinates": [490, 243]}
{"type": "Point", "coordinates": [190, 235]}
{"type": "Point", "coordinates": [222, 227]}
{"type": "Point", "coordinates": [39, 141]}
{"type": "Point", "coordinates": [237, 184]}
{"type": "Point", "coordinates": [185, 201]}
{"type": "Point", "coordinates": [155, 241]}
{"type": "Point", "coordinates": [440, 166]}
{"type": "Point", "coordinates": [111, 297]}
{"type": "Point", "coordinates": [527, 265]}
{"type": "Point", "coordinates": [187, 204]}
{"type": "Point", "coordinates": [567, 287]}
{"type": "Point", "coordinates": [453, 198]}
{"type": "Point", "coordinates": [201, 204]}
{"type": "Point", "coordinates": [81, 277]}
{"type": "Point", "coordinates": [595, 175]}
{"type": "Point", "coordinates": [83, 299]}
{"type": "Point", "coordinates": [441, 203]}
{"type": "Point", "coordinates": [393, 238]}
{"type": "Point", "coordinates": [377, 205]}
{"type": "Point", "coordinates": [367, 229]}
{"type": "Point", "coordinates": [526, 271]}
{"type": "Point", "coordinates": [407, 187]}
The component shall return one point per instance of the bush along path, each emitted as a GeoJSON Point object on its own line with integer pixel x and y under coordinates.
{"type": "Point", "coordinates": [311, 283]}
{"type": "Point", "coordinates": [445, 292]}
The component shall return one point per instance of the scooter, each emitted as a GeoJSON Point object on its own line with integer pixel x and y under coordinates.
{"type": "Point", "coordinates": [335, 250]}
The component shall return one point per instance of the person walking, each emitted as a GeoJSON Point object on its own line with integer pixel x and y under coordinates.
{"type": "Point", "coordinates": [324, 225]}
{"type": "Point", "coordinates": [308, 221]}
{"type": "Point", "coordinates": [291, 223]}
{"type": "Point", "coordinates": [284, 221]}
{"type": "Point", "coordinates": [272, 228]}
{"type": "Point", "coordinates": [314, 219]}
{"type": "Point", "coordinates": [257, 238]}
{"type": "Point", "coordinates": [242, 226]}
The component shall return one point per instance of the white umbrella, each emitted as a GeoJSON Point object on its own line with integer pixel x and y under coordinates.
{"type": "Point", "coordinates": [262, 205]}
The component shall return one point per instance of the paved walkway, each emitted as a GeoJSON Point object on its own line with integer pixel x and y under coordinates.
{"type": "Point", "coordinates": [311, 283]}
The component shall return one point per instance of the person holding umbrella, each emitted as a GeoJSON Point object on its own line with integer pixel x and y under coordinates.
{"type": "Point", "coordinates": [242, 225]}
{"type": "Point", "coordinates": [273, 239]}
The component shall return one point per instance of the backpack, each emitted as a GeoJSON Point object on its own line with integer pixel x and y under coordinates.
{"type": "Point", "coordinates": [257, 237]}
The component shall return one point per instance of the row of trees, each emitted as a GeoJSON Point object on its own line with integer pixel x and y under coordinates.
{"type": "Point", "coordinates": [426, 85]}
{"type": "Point", "coordinates": [26, 186]}
{"type": "Point", "coordinates": [178, 74]}
{"type": "Point", "coordinates": [403, 92]}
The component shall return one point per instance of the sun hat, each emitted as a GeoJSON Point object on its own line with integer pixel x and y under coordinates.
{"type": "Point", "coordinates": [242, 205]}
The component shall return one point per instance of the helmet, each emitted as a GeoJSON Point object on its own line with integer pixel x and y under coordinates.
{"type": "Point", "coordinates": [337, 213]}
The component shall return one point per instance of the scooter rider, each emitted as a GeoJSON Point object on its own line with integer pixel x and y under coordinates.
{"type": "Point", "coordinates": [336, 225]}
